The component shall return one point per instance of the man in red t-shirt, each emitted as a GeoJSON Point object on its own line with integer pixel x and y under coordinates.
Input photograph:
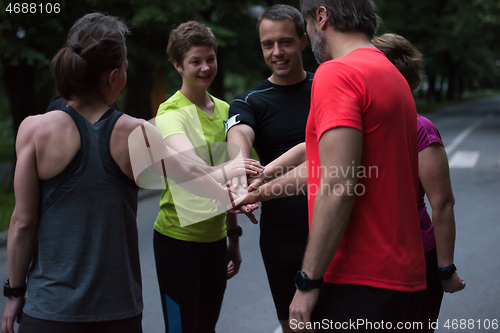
{"type": "Point", "coordinates": [362, 179]}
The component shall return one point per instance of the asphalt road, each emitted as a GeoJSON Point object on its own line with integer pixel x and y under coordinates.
{"type": "Point", "coordinates": [471, 132]}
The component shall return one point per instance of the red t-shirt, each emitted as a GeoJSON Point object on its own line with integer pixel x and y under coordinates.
{"type": "Point", "coordinates": [382, 246]}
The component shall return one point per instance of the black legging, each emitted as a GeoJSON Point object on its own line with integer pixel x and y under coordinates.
{"type": "Point", "coordinates": [192, 278]}
{"type": "Point", "coordinates": [35, 325]}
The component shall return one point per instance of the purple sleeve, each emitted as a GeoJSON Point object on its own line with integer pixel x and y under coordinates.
{"type": "Point", "coordinates": [427, 133]}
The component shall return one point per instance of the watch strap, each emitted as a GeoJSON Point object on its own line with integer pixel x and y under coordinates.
{"type": "Point", "coordinates": [235, 231]}
{"type": "Point", "coordinates": [304, 283]}
{"type": "Point", "coordinates": [444, 273]}
{"type": "Point", "coordinates": [15, 292]}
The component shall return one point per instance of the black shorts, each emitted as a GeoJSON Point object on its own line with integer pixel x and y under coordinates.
{"type": "Point", "coordinates": [35, 325]}
{"type": "Point", "coordinates": [356, 308]}
{"type": "Point", "coordinates": [282, 255]}
{"type": "Point", "coordinates": [433, 295]}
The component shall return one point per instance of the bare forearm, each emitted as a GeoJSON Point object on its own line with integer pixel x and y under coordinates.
{"type": "Point", "coordinates": [434, 175]}
{"type": "Point", "coordinates": [190, 167]}
{"type": "Point", "coordinates": [286, 162]}
{"type": "Point", "coordinates": [290, 184]}
{"type": "Point", "coordinates": [330, 219]}
{"type": "Point", "coordinates": [193, 179]}
{"type": "Point", "coordinates": [243, 139]}
{"type": "Point", "coordinates": [340, 147]}
{"type": "Point", "coordinates": [20, 245]}
{"type": "Point", "coordinates": [232, 222]}
{"type": "Point", "coordinates": [444, 232]}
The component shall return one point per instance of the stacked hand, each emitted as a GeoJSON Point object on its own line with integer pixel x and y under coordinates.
{"type": "Point", "coordinates": [238, 168]}
{"type": "Point", "coordinates": [247, 191]}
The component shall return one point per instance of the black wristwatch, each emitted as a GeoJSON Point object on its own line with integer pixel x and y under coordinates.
{"type": "Point", "coordinates": [235, 231]}
{"type": "Point", "coordinates": [304, 283]}
{"type": "Point", "coordinates": [16, 292]}
{"type": "Point", "coordinates": [444, 273]}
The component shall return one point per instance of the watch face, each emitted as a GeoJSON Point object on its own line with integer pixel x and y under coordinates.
{"type": "Point", "coordinates": [301, 280]}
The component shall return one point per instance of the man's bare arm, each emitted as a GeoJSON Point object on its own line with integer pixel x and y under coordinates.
{"type": "Point", "coordinates": [284, 164]}
{"type": "Point", "coordinates": [243, 136]}
{"type": "Point", "coordinates": [340, 147]}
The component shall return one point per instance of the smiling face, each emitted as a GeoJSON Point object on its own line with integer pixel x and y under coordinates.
{"type": "Point", "coordinates": [199, 67]}
{"type": "Point", "coordinates": [282, 50]}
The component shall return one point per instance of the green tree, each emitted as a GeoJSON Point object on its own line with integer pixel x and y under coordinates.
{"type": "Point", "coordinates": [457, 38]}
{"type": "Point", "coordinates": [25, 61]}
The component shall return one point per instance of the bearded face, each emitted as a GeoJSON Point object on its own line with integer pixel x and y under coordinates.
{"type": "Point", "coordinates": [319, 44]}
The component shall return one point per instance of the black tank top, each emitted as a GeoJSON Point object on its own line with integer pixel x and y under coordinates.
{"type": "Point", "coordinates": [86, 258]}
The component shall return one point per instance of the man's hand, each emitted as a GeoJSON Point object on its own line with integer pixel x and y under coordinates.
{"type": "Point", "coordinates": [301, 308]}
{"type": "Point", "coordinates": [255, 182]}
{"type": "Point", "coordinates": [13, 312]}
{"type": "Point", "coordinates": [453, 284]}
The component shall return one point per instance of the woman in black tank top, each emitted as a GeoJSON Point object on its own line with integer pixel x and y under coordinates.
{"type": "Point", "coordinates": [73, 231]}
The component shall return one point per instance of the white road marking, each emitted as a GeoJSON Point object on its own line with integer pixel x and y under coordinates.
{"type": "Point", "coordinates": [454, 144]}
{"type": "Point", "coordinates": [464, 159]}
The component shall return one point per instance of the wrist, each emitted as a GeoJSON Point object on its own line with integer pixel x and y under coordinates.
{"type": "Point", "coordinates": [234, 239]}
{"type": "Point", "coordinates": [234, 232]}
{"type": "Point", "coordinates": [444, 273]}
{"type": "Point", "coordinates": [263, 194]}
{"type": "Point", "coordinates": [8, 291]}
{"type": "Point", "coordinates": [304, 283]}
{"type": "Point", "coordinates": [265, 173]}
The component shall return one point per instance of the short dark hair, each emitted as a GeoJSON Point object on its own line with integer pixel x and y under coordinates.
{"type": "Point", "coordinates": [345, 15]}
{"type": "Point", "coordinates": [280, 12]}
{"type": "Point", "coordinates": [187, 35]}
{"type": "Point", "coordinates": [100, 41]}
{"type": "Point", "coordinates": [407, 59]}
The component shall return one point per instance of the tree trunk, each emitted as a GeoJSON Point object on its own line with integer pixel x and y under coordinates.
{"type": "Point", "coordinates": [20, 84]}
{"type": "Point", "coordinates": [439, 92]}
{"type": "Point", "coordinates": [217, 86]}
{"type": "Point", "coordinates": [140, 82]}
{"type": "Point", "coordinates": [158, 90]}
{"type": "Point", "coordinates": [431, 93]}
{"type": "Point", "coordinates": [461, 88]}
{"type": "Point", "coordinates": [450, 94]}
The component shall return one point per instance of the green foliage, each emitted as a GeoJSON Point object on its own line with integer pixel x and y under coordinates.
{"type": "Point", "coordinates": [6, 141]}
{"type": "Point", "coordinates": [6, 129]}
{"type": "Point", "coordinates": [424, 107]}
{"type": "Point", "coordinates": [458, 38]}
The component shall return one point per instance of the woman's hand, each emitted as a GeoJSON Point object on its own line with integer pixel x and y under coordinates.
{"type": "Point", "coordinates": [237, 169]}
{"type": "Point", "coordinates": [453, 284]}
{"type": "Point", "coordinates": [13, 313]}
{"type": "Point", "coordinates": [232, 207]}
